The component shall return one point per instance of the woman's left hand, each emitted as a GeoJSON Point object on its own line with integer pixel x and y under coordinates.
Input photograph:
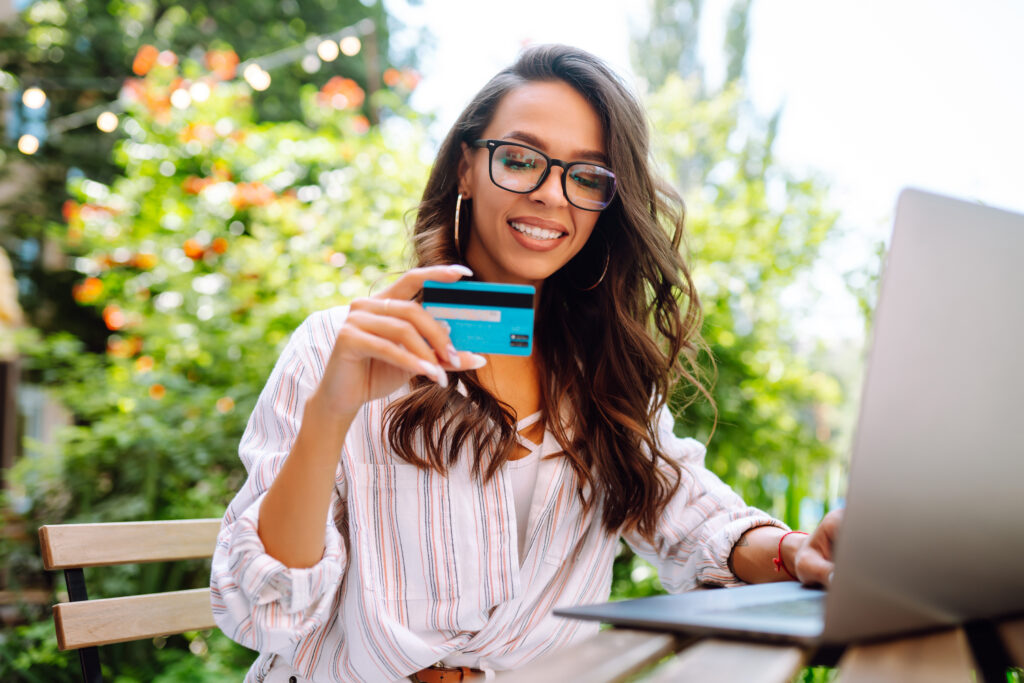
{"type": "Point", "coordinates": [814, 564]}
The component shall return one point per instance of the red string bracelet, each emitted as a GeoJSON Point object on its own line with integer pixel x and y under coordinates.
{"type": "Point", "coordinates": [779, 564]}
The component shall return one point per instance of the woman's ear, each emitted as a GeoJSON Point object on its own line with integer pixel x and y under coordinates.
{"type": "Point", "coordinates": [464, 171]}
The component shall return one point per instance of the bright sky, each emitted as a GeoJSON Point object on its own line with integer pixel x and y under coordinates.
{"type": "Point", "coordinates": [877, 94]}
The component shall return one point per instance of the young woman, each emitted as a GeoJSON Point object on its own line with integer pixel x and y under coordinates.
{"type": "Point", "coordinates": [413, 510]}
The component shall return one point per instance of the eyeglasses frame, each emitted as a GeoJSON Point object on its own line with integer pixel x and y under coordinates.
{"type": "Point", "coordinates": [492, 145]}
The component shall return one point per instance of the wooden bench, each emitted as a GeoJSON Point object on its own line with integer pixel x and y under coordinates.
{"type": "Point", "coordinates": [84, 624]}
{"type": "Point", "coordinates": [979, 653]}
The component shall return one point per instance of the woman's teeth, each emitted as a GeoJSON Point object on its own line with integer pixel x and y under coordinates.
{"type": "Point", "coordinates": [536, 233]}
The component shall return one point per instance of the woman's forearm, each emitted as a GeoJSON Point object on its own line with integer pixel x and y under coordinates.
{"type": "Point", "coordinates": [753, 555]}
{"type": "Point", "coordinates": [294, 512]}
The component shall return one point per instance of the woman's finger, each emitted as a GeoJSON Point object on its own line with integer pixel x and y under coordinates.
{"type": "Point", "coordinates": [380, 348]}
{"type": "Point", "coordinates": [812, 568]}
{"type": "Point", "coordinates": [401, 330]}
{"type": "Point", "coordinates": [430, 329]}
{"type": "Point", "coordinates": [411, 282]}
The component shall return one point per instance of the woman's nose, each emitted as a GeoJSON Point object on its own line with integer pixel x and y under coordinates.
{"type": "Point", "coordinates": [550, 191]}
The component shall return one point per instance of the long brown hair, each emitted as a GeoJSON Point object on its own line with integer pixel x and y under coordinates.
{"type": "Point", "coordinates": [609, 355]}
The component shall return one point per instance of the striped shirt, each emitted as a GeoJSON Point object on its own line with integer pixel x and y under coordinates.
{"type": "Point", "coordinates": [419, 566]}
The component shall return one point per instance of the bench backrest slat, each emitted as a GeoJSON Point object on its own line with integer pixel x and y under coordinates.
{"type": "Point", "coordinates": [67, 546]}
{"type": "Point", "coordinates": [118, 620]}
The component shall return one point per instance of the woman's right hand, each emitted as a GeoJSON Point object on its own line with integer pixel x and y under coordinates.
{"type": "Point", "coordinates": [385, 340]}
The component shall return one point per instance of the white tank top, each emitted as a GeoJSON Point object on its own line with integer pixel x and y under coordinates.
{"type": "Point", "coordinates": [523, 475]}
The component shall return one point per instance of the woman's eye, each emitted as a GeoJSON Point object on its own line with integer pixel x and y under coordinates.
{"type": "Point", "coordinates": [590, 181]}
{"type": "Point", "coordinates": [519, 164]}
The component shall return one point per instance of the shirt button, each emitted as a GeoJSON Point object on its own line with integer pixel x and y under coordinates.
{"type": "Point", "coordinates": [293, 679]}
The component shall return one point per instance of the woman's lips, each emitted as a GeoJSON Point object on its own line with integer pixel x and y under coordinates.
{"type": "Point", "coordinates": [534, 243]}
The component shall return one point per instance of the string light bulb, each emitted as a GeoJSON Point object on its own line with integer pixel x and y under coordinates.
{"type": "Point", "coordinates": [327, 50]}
{"type": "Point", "coordinates": [107, 122]}
{"type": "Point", "coordinates": [311, 64]}
{"type": "Point", "coordinates": [33, 98]}
{"type": "Point", "coordinates": [28, 144]}
{"type": "Point", "coordinates": [350, 46]}
{"type": "Point", "coordinates": [256, 77]}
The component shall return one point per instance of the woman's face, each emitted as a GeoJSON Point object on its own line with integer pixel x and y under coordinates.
{"type": "Point", "coordinates": [552, 117]}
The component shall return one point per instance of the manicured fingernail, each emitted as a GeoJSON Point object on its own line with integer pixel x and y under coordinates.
{"type": "Point", "coordinates": [453, 357]}
{"type": "Point", "coordinates": [831, 575]}
{"type": "Point", "coordinates": [446, 326]}
{"type": "Point", "coordinates": [434, 372]}
{"type": "Point", "coordinates": [458, 268]}
{"type": "Point", "coordinates": [476, 362]}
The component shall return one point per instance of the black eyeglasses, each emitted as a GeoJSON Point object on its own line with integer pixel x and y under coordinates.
{"type": "Point", "coordinates": [522, 169]}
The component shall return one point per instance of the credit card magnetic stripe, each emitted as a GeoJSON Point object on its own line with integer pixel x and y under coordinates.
{"type": "Point", "coordinates": [491, 299]}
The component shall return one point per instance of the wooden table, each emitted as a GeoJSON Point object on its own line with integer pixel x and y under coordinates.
{"type": "Point", "coordinates": [980, 653]}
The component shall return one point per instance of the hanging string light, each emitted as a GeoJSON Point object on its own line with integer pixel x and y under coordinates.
{"type": "Point", "coordinates": [28, 144]}
{"type": "Point", "coordinates": [33, 98]}
{"type": "Point", "coordinates": [327, 50]}
{"type": "Point", "coordinates": [107, 122]}
{"type": "Point", "coordinates": [350, 45]}
{"type": "Point", "coordinates": [256, 77]}
{"type": "Point", "coordinates": [254, 71]}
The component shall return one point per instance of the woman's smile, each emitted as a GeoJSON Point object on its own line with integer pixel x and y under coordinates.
{"type": "Point", "coordinates": [537, 234]}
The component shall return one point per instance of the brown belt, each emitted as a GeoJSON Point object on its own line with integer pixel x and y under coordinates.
{"type": "Point", "coordinates": [446, 674]}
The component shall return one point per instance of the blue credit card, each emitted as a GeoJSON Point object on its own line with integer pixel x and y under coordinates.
{"type": "Point", "coordinates": [484, 317]}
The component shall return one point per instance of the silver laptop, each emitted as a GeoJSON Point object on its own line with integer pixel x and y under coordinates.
{"type": "Point", "coordinates": [933, 533]}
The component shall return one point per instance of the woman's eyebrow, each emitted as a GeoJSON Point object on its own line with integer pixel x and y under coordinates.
{"type": "Point", "coordinates": [534, 141]}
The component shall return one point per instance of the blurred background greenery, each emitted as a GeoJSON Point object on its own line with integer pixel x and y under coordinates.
{"type": "Point", "coordinates": [161, 267]}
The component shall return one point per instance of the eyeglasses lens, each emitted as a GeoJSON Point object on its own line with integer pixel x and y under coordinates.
{"type": "Point", "coordinates": [520, 169]}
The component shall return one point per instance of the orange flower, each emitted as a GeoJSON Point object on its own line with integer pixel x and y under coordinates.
{"type": "Point", "coordinates": [410, 78]}
{"type": "Point", "coordinates": [144, 60]}
{"type": "Point", "coordinates": [123, 348]}
{"type": "Point", "coordinates": [157, 391]}
{"type": "Point", "coordinates": [392, 77]}
{"type": "Point", "coordinates": [144, 261]}
{"type": "Point", "coordinates": [203, 132]}
{"type": "Point", "coordinates": [225, 404]}
{"type": "Point", "coordinates": [94, 212]}
{"type": "Point", "coordinates": [69, 210]}
{"type": "Point", "coordinates": [341, 93]}
{"type": "Point", "coordinates": [219, 245]}
{"type": "Point", "coordinates": [222, 63]}
{"type": "Point", "coordinates": [193, 249]}
{"type": "Point", "coordinates": [88, 290]}
{"type": "Point", "coordinates": [113, 317]}
{"type": "Point", "coordinates": [252, 194]}
{"type": "Point", "coordinates": [144, 364]}
{"type": "Point", "coordinates": [194, 184]}
{"type": "Point", "coordinates": [360, 124]}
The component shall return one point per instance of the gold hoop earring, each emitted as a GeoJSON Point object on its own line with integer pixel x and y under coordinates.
{"type": "Point", "coordinates": [604, 271]}
{"type": "Point", "coordinates": [458, 211]}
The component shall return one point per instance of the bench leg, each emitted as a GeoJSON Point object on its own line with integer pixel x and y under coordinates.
{"type": "Point", "coordinates": [89, 657]}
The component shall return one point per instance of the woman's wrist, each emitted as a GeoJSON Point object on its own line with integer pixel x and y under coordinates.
{"type": "Point", "coordinates": [325, 413]}
{"type": "Point", "coordinates": [790, 544]}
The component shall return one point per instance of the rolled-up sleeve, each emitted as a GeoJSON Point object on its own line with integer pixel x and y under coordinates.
{"type": "Point", "coordinates": [257, 601]}
{"type": "Point", "coordinates": [702, 523]}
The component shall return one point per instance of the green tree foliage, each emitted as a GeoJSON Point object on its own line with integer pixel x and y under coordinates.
{"type": "Point", "coordinates": [81, 51]}
{"type": "Point", "coordinates": [753, 228]}
{"type": "Point", "coordinates": [216, 238]}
